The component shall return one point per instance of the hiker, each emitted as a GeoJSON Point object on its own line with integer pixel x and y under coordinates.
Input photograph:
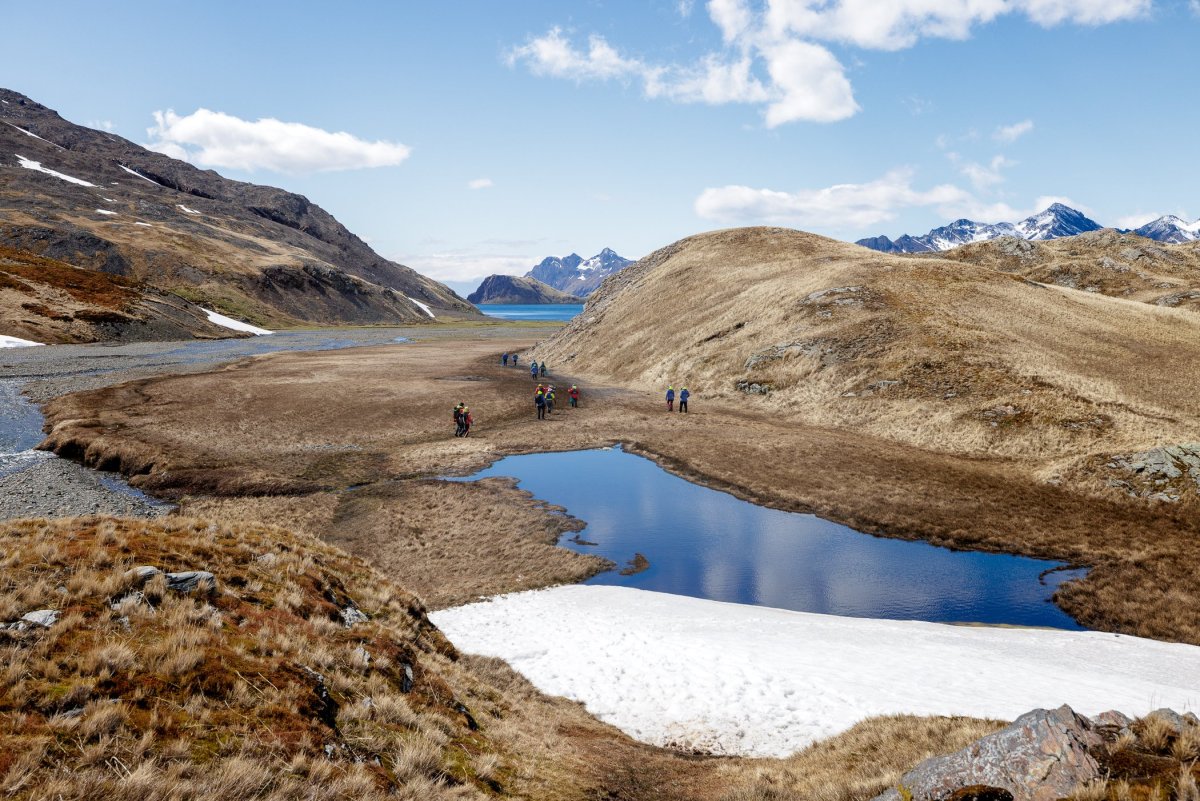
{"type": "Point", "coordinates": [539, 400]}
{"type": "Point", "coordinates": [549, 400]}
{"type": "Point", "coordinates": [533, 371]}
{"type": "Point", "coordinates": [543, 368]}
{"type": "Point", "coordinates": [670, 399]}
{"type": "Point", "coordinates": [504, 360]}
{"type": "Point", "coordinates": [683, 396]}
{"type": "Point", "coordinates": [514, 360]}
{"type": "Point", "coordinates": [458, 419]}
{"type": "Point", "coordinates": [573, 394]}
{"type": "Point", "coordinates": [467, 419]}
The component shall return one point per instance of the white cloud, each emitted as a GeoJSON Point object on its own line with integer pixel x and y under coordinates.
{"type": "Point", "coordinates": [215, 139]}
{"type": "Point", "coordinates": [100, 125]}
{"type": "Point", "coordinates": [984, 177]}
{"type": "Point", "coordinates": [1082, 12]}
{"type": "Point", "coordinates": [803, 81]}
{"type": "Point", "coordinates": [898, 24]}
{"type": "Point", "coordinates": [1137, 219]}
{"type": "Point", "coordinates": [554, 55]}
{"type": "Point", "coordinates": [839, 206]}
{"type": "Point", "coordinates": [1011, 133]}
{"type": "Point", "coordinates": [480, 183]}
{"type": "Point", "coordinates": [1195, 6]}
{"type": "Point", "coordinates": [770, 56]}
{"type": "Point", "coordinates": [469, 264]}
{"type": "Point", "coordinates": [684, 7]}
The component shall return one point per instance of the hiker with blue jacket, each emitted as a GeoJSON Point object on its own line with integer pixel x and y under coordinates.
{"type": "Point", "coordinates": [533, 370]}
{"type": "Point", "coordinates": [670, 399]}
{"type": "Point", "coordinates": [683, 396]}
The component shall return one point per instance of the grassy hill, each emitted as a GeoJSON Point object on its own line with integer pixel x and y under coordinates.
{"type": "Point", "coordinates": [1105, 261]}
{"type": "Point", "coordinates": [940, 354]}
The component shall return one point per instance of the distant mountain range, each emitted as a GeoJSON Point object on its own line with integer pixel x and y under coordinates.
{"type": "Point", "coordinates": [578, 276]}
{"type": "Point", "coordinates": [1055, 222]}
{"type": "Point", "coordinates": [88, 199]}
{"type": "Point", "coordinates": [512, 289]}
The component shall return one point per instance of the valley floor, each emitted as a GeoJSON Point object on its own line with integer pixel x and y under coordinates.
{"type": "Point", "coordinates": [348, 446]}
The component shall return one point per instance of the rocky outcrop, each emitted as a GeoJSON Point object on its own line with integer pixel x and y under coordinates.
{"type": "Point", "coordinates": [1042, 756]}
{"type": "Point", "coordinates": [1160, 474]}
{"type": "Point", "coordinates": [513, 289]}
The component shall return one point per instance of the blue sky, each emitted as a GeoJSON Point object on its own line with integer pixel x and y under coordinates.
{"type": "Point", "coordinates": [630, 125]}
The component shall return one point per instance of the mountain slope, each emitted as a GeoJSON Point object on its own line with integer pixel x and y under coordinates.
{"type": "Point", "coordinates": [51, 302]}
{"type": "Point", "coordinates": [1108, 262]}
{"type": "Point", "coordinates": [578, 276]}
{"type": "Point", "coordinates": [513, 289]}
{"type": "Point", "coordinates": [941, 355]}
{"type": "Point", "coordinates": [95, 200]}
{"type": "Point", "coordinates": [1170, 228]}
{"type": "Point", "coordinates": [1056, 221]}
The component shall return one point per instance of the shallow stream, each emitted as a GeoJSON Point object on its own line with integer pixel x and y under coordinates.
{"type": "Point", "coordinates": [704, 543]}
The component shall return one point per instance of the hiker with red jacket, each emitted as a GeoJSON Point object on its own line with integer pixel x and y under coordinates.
{"type": "Point", "coordinates": [467, 419]}
{"type": "Point", "coordinates": [573, 394]}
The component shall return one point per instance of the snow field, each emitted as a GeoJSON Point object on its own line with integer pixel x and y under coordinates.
{"type": "Point", "coordinates": [30, 164]}
{"type": "Point", "coordinates": [236, 325]}
{"type": "Point", "coordinates": [739, 679]}
{"type": "Point", "coordinates": [424, 308]}
{"type": "Point", "coordinates": [14, 342]}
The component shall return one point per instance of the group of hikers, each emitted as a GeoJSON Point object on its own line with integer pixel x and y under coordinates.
{"type": "Point", "coordinates": [544, 397]}
{"type": "Point", "coordinates": [535, 369]}
{"type": "Point", "coordinates": [683, 399]}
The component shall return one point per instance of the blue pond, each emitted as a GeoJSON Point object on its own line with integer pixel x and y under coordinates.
{"type": "Point", "coordinates": [709, 544]}
{"type": "Point", "coordinates": [515, 311]}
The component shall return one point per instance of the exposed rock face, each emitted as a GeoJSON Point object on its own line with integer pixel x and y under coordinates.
{"type": "Point", "coordinates": [271, 257]}
{"type": "Point", "coordinates": [1162, 474]}
{"type": "Point", "coordinates": [1042, 756]}
{"type": "Point", "coordinates": [513, 289]}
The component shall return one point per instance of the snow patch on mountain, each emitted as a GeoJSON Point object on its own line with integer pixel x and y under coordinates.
{"type": "Point", "coordinates": [578, 276]}
{"type": "Point", "coordinates": [139, 175]}
{"type": "Point", "coordinates": [30, 164]}
{"type": "Point", "coordinates": [1054, 222]}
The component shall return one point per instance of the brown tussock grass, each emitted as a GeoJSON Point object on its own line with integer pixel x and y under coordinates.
{"type": "Point", "coordinates": [99, 705]}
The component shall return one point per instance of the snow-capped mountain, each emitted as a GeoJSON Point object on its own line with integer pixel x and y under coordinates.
{"type": "Point", "coordinates": [1056, 221]}
{"type": "Point", "coordinates": [1170, 229]}
{"type": "Point", "coordinates": [575, 275]}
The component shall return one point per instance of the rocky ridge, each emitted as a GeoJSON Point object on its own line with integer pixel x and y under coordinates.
{"type": "Point", "coordinates": [578, 276]}
{"type": "Point", "coordinates": [94, 200]}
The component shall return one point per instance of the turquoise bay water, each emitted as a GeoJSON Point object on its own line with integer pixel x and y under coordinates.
{"type": "Point", "coordinates": [531, 311]}
{"type": "Point", "coordinates": [708, 544]}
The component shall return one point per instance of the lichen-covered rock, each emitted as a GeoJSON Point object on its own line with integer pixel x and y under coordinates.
{"type": "Point", "coordinates": [1041, 757]}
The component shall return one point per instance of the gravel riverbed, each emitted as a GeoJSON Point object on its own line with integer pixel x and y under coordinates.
{"type": "Point", "coordinates": [37, 484]}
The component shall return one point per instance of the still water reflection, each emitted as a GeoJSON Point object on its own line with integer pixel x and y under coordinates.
{"type": "Point", "coordinates": [708, 544]}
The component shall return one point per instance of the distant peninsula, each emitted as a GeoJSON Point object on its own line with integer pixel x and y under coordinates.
{"type": "Point", "coordinates": [514, 289]}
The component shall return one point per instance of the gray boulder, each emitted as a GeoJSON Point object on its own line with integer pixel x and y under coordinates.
{"type": "Point", "coordinates": [1041, 757]}
{"type": "Point", "coordinates": [41, 617]}
{"type": "Point", "coordinates": [185, 581]}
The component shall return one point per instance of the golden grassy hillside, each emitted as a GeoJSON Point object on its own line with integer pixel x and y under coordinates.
{"type": "Point", "coordinates": [947, 356]}
{"type": "Point", "coordinates": [1106, 261]}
